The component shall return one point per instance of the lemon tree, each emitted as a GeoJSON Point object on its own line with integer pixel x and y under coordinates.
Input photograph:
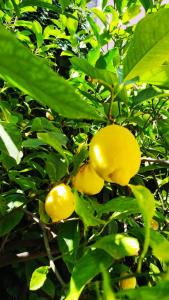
{"type": "Point", "coordinates": [84, 149]}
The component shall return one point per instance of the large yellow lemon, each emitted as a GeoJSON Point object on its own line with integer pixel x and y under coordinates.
{"type": "Point", "coordinates": [60, 202]}
{"type": "Point", "coordinates": [128, 283]}
{"type": "Point", "coordinates": [115, 154]}
{"type": "Point", "coordinates": [87, 181]}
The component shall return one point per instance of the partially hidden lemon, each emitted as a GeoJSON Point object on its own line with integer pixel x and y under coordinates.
{"type": "Point", "coordinates": [154, 224]}
{"type": "Point", "coordinates": [60, 202]}
{"type": "Point", "coordinates": [128, 283]}
{"type": "Point", "coordinates": [87, 181]}
{"type": "Point", "coordinates": [115, 154]}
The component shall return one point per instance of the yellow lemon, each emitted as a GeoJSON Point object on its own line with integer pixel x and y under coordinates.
{"type": "Point", "coordinates": [154, 224]}
{"type": "Point", "coordinates": [87, 181]}
{"type": "Point", "coordinates": [59, 203]}
{"type": "Point", "coordinates": [128, 283]}
{"type": "Point", "coordinates": [115, 154]}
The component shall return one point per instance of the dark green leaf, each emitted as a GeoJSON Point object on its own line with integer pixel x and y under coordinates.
{"type": "Point", "coordinates": [9, 221]}
{"type": "Point", "coordinates": [87, 268]}
{"type": "Point", "coordinates": [38, 80]}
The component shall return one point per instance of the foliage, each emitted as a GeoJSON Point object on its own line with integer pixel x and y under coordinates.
{"type": "Point", "coordinates": [66, 70]}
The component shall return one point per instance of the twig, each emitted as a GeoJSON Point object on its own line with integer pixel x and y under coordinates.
{"type": "Point", "coordinates": [47, 247]}
{"type": "Point", "coordinates": [11, 258]}
{"type": "Point", "coordinates": [155, 160]}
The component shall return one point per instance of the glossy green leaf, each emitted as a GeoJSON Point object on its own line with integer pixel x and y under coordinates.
{"type": "Point", "coordinates": [68, 241]}
{"type": "Point", "coordinates": [107, 289]}
{"type": "Point", "coordinates": [86, 212]}
{"type": "Point", "coordinates": [149, 46]}
{"type": "Point", "coordinates": [38, 80]}
{"type": "Point", "coordinates": [52, 139]}
{"type": "Point", "coordinates": [160, 245]}
{"type": "Point", "coordinates": [39, 3]}
{"type": "Point", "coordinates": [104, 76]}
{"type": "Point", "coordinates": [9, 221]}
{"type": "Point", "coordinates": [87, 268]}
{"type": "Point", "coordinates": [146, 203]}
{"type": "Point", "coordinates": [38, 278]}
{"type": "Point", "coordinates": [10, 146]}
{"type": "Point", "coordinates": [120, 204]}
{"type": "Point", "coordinates": [118, 245]}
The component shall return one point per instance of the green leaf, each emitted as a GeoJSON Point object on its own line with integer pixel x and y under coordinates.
{"type": "Point", "coordinates": [163, 127]}
{"type": "Point", "coordinates": [146, 203]}
{"type": "Point", "coordinates": [158, 76]}
{"type": "Point", "coordinates": [86, 212]}
{"type": "Point", "coordinates": [39, 3]}
{"type": "Point", "coordinates": [38, 278]}
{"type": "Point", "coordinates": [160, 245]}
{"type": "Point", "coordinates": [118, 245]}
{"type": "Point", "coordinates": [100, 14]}
{"type": "Point", "coordinates": [147, 4]}
{"type": "Point", "coordinates": [38, 80]}
{"type": "Point", "coordinates": [9, 221]}
{"type": "Point", "coordinates": [160, 291]}
{"type": "Point", "coordinates": [68, 240]}
{"type": "Point", "coordinates": [52, 139]}
{"type": "Point", "coordinates": [64, 3]}
{"type": "Point", "coordinates": [107, 290]}
{"type": "Point", "coordinates": [120, 204]}
{"type": "Point", "coordinates": [149, 46]}
{"type": "Point", "coordinates": [56, 167]}
{"type": "Point", "coordinates": [10, 146]}
{"type": "Point", "coordinates": [146, 94]}
{"type": "Point", "coordinates": [32, 143]}
{"type": "Point", "coordinates": [106, 77]}
{"type": "Point", "coordinates": [87, 268]}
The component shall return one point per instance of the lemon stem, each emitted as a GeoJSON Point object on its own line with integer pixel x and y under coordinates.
{"type": "Point", "coordinates": [112, 97]}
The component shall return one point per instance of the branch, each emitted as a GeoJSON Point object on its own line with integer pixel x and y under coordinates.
{"type": "Point", "coordinates": [155, 160]}
{"type": "Point", "coordinates": [9, 259]}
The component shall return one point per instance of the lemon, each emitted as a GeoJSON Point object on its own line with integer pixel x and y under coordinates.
{"type": "Point", "coordinates": [115, 154]}
{"type": "Point", "coordinates": [128, 283]}
{"type": "Point", "coordinates": [60, 203]}
{"type": "Point", "coordinates": [154, 224]}
{"type": "Point", "coordinates": [87, 181]}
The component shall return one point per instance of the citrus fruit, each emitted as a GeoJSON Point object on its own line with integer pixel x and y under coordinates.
{"type": "Point", "coordinates": [59, 203]}
{"type": "Point", "coordinates": [128, 283]}
{"type": "Point", "coordinates": [154, 224]}
{"type": "Point", "coordinates": [115, 154]}
{"type": "Point", "coordinates": [87, 181]}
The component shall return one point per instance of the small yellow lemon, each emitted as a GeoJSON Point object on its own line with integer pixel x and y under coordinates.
{"type": "Point", "coordinates": [154, 224]}
{"type": "Point", "coordinates": [115, 154]}
{"type": "Point", "coordinates": [87, 181]}
{"type": "Point", "coordinates": [59, 203]}
{"type": "Point", "coordinates": [128, 283]}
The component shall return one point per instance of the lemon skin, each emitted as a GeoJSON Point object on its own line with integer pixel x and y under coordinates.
{"type": "Point", "coordinates": [115, 154]}
{"type": "Point", "coordinates": [60, 202]}
{"type": "Point", "coordinates": [128, 283]}
{"type": "Point", "coordinates": [87, 181]}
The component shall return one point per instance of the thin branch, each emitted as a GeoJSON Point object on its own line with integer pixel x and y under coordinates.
{"type": "Point", "coordinates": [155, 160]}
{"type": "Point", "coordinates": [47, 247]}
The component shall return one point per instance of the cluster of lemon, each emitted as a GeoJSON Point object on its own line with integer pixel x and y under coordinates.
{"type": "Point", "coordinates": [114, 156]}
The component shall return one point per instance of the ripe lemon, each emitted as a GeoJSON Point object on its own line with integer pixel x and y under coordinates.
{"type": "Point", "coordinates": [154, 224]}
{"type": "Point", "coordinates": [128, 283]}
{"type": "Point", "coordinates": [87, 181]}
{"type": "Point", "coordinates": [115, 154]}
{"type": "Point", "coordinates": [59, 203]}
